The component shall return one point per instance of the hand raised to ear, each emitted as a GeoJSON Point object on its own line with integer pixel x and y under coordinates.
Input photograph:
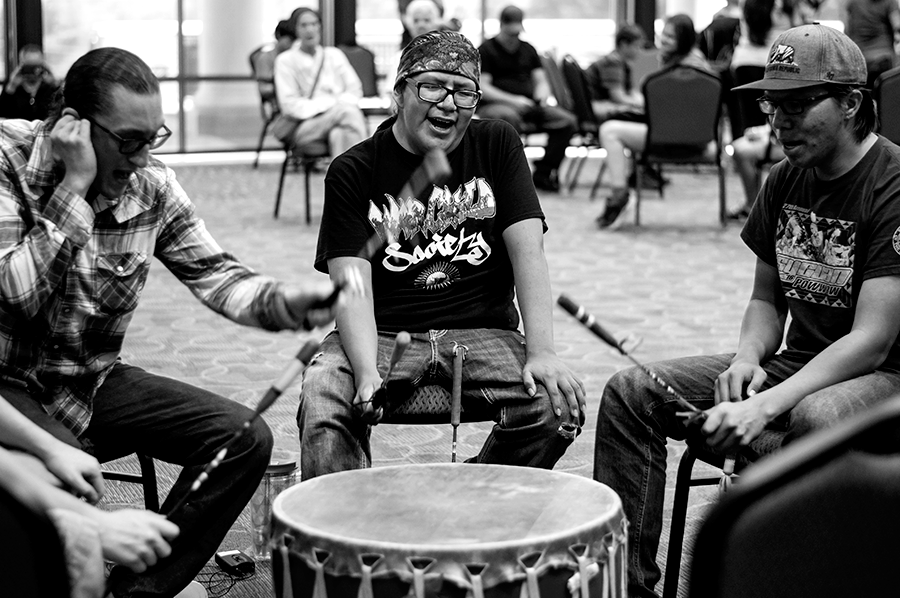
{"type": "Point", "coordinates": [71, 143]}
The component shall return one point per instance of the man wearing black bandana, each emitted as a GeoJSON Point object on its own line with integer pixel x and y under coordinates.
{"type": "Point", "coordinates": [458, 254]}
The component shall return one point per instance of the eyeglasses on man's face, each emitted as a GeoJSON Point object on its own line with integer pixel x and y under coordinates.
{"type": "Point", "coordinates": [790, 107]}
{"type": "Point", "coordinates": [131, 146]}
{"type": "Point", "coordinates": [435, 94]}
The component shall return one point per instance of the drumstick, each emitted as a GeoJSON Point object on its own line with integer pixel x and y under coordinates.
{"type": "Point", "coordinates": [591, 324]}
{"type": "Point", "coordinates": [294, 368]}
{"type": "Point", "coordinates": [400, 345]}
{"type": "Point", "coordinates": [433, 170]}
{"type": "Point", "coordinates": [459, 354]}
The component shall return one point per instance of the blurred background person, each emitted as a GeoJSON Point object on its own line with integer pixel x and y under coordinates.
{"type": "Point", "coordinates": [264, 61]}
{"type": "Point", "coordinates": [318, 90]}
{"type": "Point", "coordinates": [30, 88]}
{"type": "Point", "coordinates": [516, 90]}
{"type": "Point", "coordinates": [875, 27]}
{"type": "Point", "coordinates": [614, 92]}
{"type": "Point", "coordinates": [678, 48]}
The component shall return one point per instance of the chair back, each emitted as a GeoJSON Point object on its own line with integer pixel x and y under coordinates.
{"type": "Point", "coordinates": [819, 518]}
{"type": "Point", "coordinates": [363, 62]}
{"type": "Point", "coordinates": [683, 105]}
{"type": "Point", "coordinates": [266, 87]}
{"type": "Point", "coordinates": [576, 81]}
{"type": "Point", "coordinates": [887, 98]}
{"type": "Point", "coordinates": [557, 82]}
{"type": "Point", "coordinates": [746, 110]}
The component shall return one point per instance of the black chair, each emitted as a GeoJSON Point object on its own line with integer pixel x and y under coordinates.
{"type": "Point", "coordinates": [268, 103]}
{"type": "Point", "coordinates": [306, 159]}
{"type": "Point", "coordinates": [147, 479]}
{"type": "Point", "coordinates": [588, 134]}
{"type": "Point", "coordinates": [887, 97]}
{"type": "Point", "coordinates": [744, 112]}
{"type": "Point", "coordinates": [819, 519]}
{"type": "Point", "coordinates": [31, 553]}
{"type": "Point", "coordinates": [768, 442]}
{"type": "Point", "coordinates": [683, 107]}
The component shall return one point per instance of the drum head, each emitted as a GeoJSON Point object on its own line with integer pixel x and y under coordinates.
{"type": "Point", "coordinates": [461, 513]}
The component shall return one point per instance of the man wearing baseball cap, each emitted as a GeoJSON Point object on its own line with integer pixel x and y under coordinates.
{"type": "Point", "coordinates": [457, 254]}
{"type": "Point", "coordinates": [826, 233]}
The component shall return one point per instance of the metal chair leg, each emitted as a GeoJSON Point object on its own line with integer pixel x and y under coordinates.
{"type": "Point", "coordinates": [307, 170]}
{"type": "Point", "coordinates": [284, 166]}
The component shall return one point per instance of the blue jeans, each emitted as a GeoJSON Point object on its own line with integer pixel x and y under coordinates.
{"type": "Point", "coordinates": [637, 415]}
{"type": "Point", "coordinates": [136, 411]}
{"type": "Point", "coordinates": [333, 439]}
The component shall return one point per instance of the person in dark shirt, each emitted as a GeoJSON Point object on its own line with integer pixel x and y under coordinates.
{"type": "Point", "coordinates": [30, 88]}
{"type": "Point", "coordinates": [516, 90]}
{"type": "Point", "coordinates": [614, 93]}
{"type": "Point", "coordinates": [448, 274]}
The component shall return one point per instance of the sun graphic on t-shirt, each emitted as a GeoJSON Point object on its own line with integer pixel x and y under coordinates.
{"type": "Point", "coordinates": [437, 276]}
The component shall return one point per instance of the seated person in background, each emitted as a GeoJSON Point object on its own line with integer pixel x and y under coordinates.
{"type": "Point", "coordinates": [318, 90]}
{"type": "Point", "coordinates": [30, 88]}
{"type": "Point", "coordinates": [264, 64]}
{"type": "Point", "coordinates": [614, 94]}
{"type": "Point", "coordinates": [516, 90]}
{"type": "Point", "coordinates": [418, 17]}
{"type": "Point", "coordinates": [757, 146]}
{"type": "Point", "coordinates": [49, 476]}
{"type": "Point", "coordinates": [677, 49]}
{"type": "Point", "coordinates": [823, 231]}
{"type": "Point", "coordinates": [461, 253]}
{"type": "Point", "coordinates": [84, 207]}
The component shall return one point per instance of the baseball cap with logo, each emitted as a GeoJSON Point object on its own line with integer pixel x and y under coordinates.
{"type": "Point", "coordinates": [812, 55]}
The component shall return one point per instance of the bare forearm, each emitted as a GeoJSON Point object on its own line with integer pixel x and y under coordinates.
{"type": "Point", "coordinates": [762, 330]}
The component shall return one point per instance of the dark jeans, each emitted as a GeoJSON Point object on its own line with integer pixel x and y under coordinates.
{"type": "Point", "coordinates": [559, 124]}
{"type": "Point", "coordinates": [136, 411]}
{"type": "Point", "coordinates": [333, 438]}
{"type": "Point", "coordinates": [637, 415]}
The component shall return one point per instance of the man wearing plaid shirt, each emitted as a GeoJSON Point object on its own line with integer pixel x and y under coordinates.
{"type": "Point", "coordinates": [83, 209]}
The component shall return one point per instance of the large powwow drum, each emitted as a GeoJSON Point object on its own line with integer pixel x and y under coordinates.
{"type": "Point", "coordinates": [450, 530]}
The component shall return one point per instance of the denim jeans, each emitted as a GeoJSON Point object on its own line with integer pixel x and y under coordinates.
{"type": "Point", "coordinates": [333, 439]}
{"type": "Point", "coordinates": [637, 415]}
{"type": "Point", "coordinates": [178, 423]}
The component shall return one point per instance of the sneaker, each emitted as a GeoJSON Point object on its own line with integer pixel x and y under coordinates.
{"type": "Point", "coordinates": [614, 214]}
{"type": "Point", "coordinates": [546, 182]}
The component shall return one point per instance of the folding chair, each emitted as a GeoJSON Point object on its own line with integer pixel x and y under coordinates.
{"type": "Point", "coordinates": [303, 158]}
{"type": "Point", "coordinates": [768, 442]}
{"type": "Point", "coordinates": [268, 103]}
{"type": "Point", "coordinates": [588, 126]}
{"type": "Point", "coordinates": [683, 106]}
{"type": "Point", "coordinates": [818, 519]}
{"type": "Point", "coordinates": [147, 479]}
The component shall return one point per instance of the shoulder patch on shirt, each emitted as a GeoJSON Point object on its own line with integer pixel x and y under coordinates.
{"type": "Point", "coordinates": [896, 240]}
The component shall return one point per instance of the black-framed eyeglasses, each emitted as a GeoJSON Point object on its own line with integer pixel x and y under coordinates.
{"type": "Point", "coordinates": [790, 107]}
{"type": "Point", "coordinates": [131, 146]}
{"type": "Point", "coordinates": [435, 94]}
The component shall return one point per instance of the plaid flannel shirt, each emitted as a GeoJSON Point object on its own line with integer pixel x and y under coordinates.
{"type": "Point", "coordinates": [71, 273]}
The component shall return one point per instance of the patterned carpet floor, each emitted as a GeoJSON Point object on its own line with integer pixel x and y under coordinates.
{"type": "Point", "coordinates": [679, 282]}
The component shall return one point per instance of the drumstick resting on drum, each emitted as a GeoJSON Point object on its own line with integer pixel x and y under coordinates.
{"type": "Point", "coordinates": [294, 368]}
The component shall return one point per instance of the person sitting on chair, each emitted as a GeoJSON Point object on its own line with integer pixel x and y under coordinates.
{"type": "Point", "coordinates": [837, 194]}
{"type": "Point", "coordinates": [84, 207]}
{"type": "Point", "coordinates": [677, 48]}
{"type": "Point", "coordinates": [461, 251]}
{"type": "Point", "coordinates": [30, 89]}
{"type": "Point", "coordinates": [614, 94]}
{"type": "Point", "coordinates": [516, 90]}
{"type": "Point", "coordinates": [264, 60]}
{"type": "Point", "coordinates": [318, 91]}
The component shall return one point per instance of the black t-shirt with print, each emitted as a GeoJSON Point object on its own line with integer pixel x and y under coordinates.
{"type": "Point", "coordinates": [826, 238]}
{"type": "Point", "coordinates": [510, 71]}
{"type": "Point", "coordinates": [450, 268]}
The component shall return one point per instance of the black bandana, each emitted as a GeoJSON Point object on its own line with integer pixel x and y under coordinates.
{"type": "Point", "coordinates": [444, 51]}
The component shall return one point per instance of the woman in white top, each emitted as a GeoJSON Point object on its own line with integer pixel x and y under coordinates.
{"type": "Point", "coordinates": [318, 87]}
